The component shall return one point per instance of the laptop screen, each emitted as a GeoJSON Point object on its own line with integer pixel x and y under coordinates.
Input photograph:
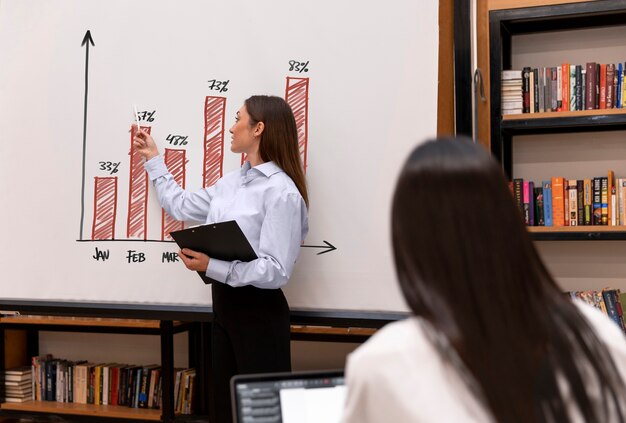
{"type": "Point", "coordinates": [300, 397]}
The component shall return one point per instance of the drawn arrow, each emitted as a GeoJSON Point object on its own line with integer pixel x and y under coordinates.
{"type": "Point", "coordinates": [329, 247]}
{"type": "Point", "coordinates": [86, 41]}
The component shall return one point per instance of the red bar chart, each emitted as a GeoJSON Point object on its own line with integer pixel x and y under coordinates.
{"type": "Point", "coordinates": [105, 208]}
{"type": "Point", "coordinates": [297, 96]}
{"type": "Point", "coordinates": [214, 117]}
{"type": "Point", "coordinates": [175, 160]}
{"type": "Point", "coordinates": [137, 223]}
{"type": "Point", "coordinates": [206, 157]}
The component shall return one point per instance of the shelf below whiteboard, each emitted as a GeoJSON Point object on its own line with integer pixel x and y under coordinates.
{"type": "Point", "coordinates": [577, 233]}
{"type": "Point", "coordinates": [112, 411]}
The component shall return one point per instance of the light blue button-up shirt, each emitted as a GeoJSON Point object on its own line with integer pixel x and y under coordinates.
{"type": "Point", "coordinates": [265, 203]}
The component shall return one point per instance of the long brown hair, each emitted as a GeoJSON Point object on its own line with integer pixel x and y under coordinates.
{"type": "Point", "coordinates": [466, 265]}
{"type": "Point", "coordinates": [279, 139]}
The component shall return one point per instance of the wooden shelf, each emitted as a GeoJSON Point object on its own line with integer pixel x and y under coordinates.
{"type": "Point", "coordinates": [82, 321]}
{"type": "Point", "coordinates": [575, 233]}
{"type": "Point", "coordinates": [579, 113]}
{"type": "Point", "coordinates": [111, 411]}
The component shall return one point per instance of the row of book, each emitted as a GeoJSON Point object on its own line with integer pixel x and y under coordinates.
{"type": "Point", "coordinates": [572, 202]}
{"type": "Point", "coordinates": [83, 382]}
{"type": "Point", "coordinates": [17, 384]}
{"type": "Point", "coordinates": [609, 301]}
{"type": "Point", "coordinates": [564, 88]}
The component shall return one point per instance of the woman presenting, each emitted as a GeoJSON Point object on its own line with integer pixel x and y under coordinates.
{"type": "Point", "coordinates": [268, 199]}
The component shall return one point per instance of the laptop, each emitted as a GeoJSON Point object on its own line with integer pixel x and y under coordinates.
{"type": "Point", "coordinates": [299, 397]}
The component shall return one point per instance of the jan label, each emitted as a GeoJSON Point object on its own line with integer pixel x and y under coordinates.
{"type": "Point", "coordinates": [101, 255]}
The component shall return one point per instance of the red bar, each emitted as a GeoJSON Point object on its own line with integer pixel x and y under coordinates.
{"type": "Point", "coordinates": [175, 162]}
{"type": "Point", "coordinates": [137, 223]}
{"type": "Point", "coordinates": [104, 207]}
{"type": "Point", "coordinates": [214, 117]}
{"type": "Point", "coordinates": [297, 96]}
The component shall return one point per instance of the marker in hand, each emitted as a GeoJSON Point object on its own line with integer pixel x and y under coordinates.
{"type": "Point", "coordinates": [136, 116]}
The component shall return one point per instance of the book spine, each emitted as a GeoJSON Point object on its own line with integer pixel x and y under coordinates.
{"type": "Point", "coordinates": [554, 90]}
{"type": "Point", "coordinates": [565, 86]}
{"type": "Point", "coordinates": [536, 90]}
{"type": "Point", "coordinates": [518, 193]}
{"type": "Point", "coordinates": [526, 90]}
{"type": "Point", "coordinates": [573, 202]}
{"type": "Point", "coordinates": [597, 201]}
{"type": "Point", "coordinates": [605, 200]}
{"type": "Point", "coordinates": [531, 203]}
{"type": "Point", "coordinates": [579, 88]}
{"type": "Point", "coordinates": [588, 193]}
{"type": "Point", "coordinates": [610, 85]}
{"type": "Point", "coordinates": [547, 202]}
{"type": "Point", "coordinates": [603, 85]}
{"type": "Point", "coordinates": [610, 198]}
{"type": "Point", "coordinates": [618, 91]}
{"type": "Point", "coordinates": [580, 201]}
{"type": "Point", "coordinates": [609, 302]}
{"type": "Point", "coordinates": [539, 211]}
{"type": "Point", "coordinates": [572, 88]}
{"type": "Point", "coordinates": [590, 86]}
{"type": "Point", "coordinates": [558, 201]}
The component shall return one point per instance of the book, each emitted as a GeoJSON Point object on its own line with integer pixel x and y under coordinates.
{"type": "Point", "coordinates": [605, 200]}
{"type": "Point", "coordinates": [17, 374]}
{"type": "Point", "coordinates": [610, 86]}
{"type": "Point", "coordinates": [610, 197]}
{"type": "Point", "coordinates": [597, 202]}
{"type": "Point", "coordinates": [539, 210]}
{"type": "Point", "coordinates": [573, 202]}
{"type": "Point", "coordinates": [602, 87]}
{"type": "Point", "coordinates": [547, 202]}
{"type": "Point", "coordinates": [565, 85]}
{"type": "Point", "coordinates": [588, 204]}
{"type": "Point", "coordinates": [590, 86]}
{"type": "Point", "coordinates": [558, 201]}
{"type": "Point", "coordinates": [580, 201]}
{"type": "Point", "coordinates": [526, 202]}
{"type": "Point", "coordinates": [579, 88]}
{"type": "Point", "coordinates": [526, 89]}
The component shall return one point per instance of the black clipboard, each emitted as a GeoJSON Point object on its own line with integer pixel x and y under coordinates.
{"type": "Point", "coordinates": [222, 241]}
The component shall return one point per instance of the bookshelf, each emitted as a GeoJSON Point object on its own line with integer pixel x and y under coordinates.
{"type": "Point", "coordinates": [83, 322]}
{"type": "Point", "coordinates": [163, 321]}
{"type": "Point", "coordinates": [530, 18]}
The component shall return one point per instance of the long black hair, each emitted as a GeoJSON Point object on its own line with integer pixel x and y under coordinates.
{"type": "Point", "coordinates": [467, 266]}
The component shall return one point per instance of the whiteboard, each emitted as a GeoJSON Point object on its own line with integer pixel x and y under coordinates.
{"type": "Point", "coordinates": [362, 76]}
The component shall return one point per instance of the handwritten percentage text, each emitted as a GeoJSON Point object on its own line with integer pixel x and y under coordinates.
{"type": "Point", "coordinates": [110, 167]}
{"type": "Point", "coordinates": [146, 116]}
{"type": "Point", "coordinates": [177, 139]}
{"type": "Point", "coordinates": [295, 66]}
{"type": "Point", "coordinates": [219, 86]}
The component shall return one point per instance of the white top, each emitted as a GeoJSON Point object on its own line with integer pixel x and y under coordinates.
{"type": "Point", "coordinates": [399, 376]}
{"type": "Point", "coordinates": [267, 207]}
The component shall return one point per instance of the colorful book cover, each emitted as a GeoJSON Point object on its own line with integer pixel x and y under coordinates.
{"type": "Point", "coordinates": [547, 202]}
{"type": "Point", "coordinates": [605, 200]}
{"type": "Point", "coordinates": [565, 84]}
{"type": "Point", "coordinates": [539, 213]}
{"type": "Point", "coordinates": [588, 204]}
{"type": "Point", "coordinates": [558, 201]}
{"type": "Point", "coordinates": [597, 201]}
{"type": "Point", "coordinates": [572, 193]}
{"type": "Point", "coordinates": [610, 197]}
{"type": "Point", "coordinates": [526, 203]}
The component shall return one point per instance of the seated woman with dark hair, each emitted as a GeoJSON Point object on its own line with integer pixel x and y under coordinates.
{"type": "Point", "coordinates": [493, 338]}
